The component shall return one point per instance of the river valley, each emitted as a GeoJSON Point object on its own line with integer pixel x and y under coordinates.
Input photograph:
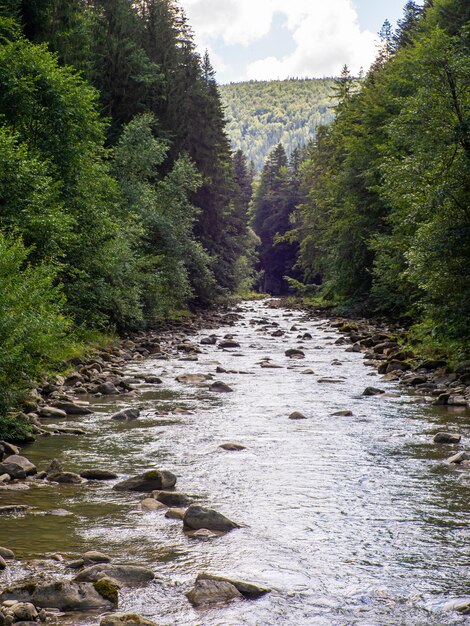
{"type": "Point", "coordinates": [348, 519]}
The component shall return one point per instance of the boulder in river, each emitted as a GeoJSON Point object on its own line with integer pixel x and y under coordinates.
{"type": "Point", "coordinates": [130, 574]}
{"type": "Point", "coordinates": [107, 389]}
{"type": "Point", "coordinates": [148, 481]}
{"type": "Point", "coordinates": [209, 341]}
{"type": "Point", "coordinates": [209, 592]}
{"type": "Point", "coordinates": [172, 498]}
{"type": "Point", "coordinates": [447, 438]}
{"type": "Point", "coordinates": [3, 563]}
{"type": "Point", "coordinates": [63, 595]}
{"type": "Point", "coordinates": [296, 415]}
{"type": "Point", "coordinates": [228, 343]}
{"type": "Point", "coordinates": [248, 590]}
{"type": "Point", "coordinates": [126, 415]}
{"type": "Point", "coordinates": [372, 391]}
{"type": "Point", "coordinates": [193, 379]}
{"type": "Point", "coordinates": [150, 504]}
{"type": "Point", "coordinates": [458, 458]}
{"type": "Point", "coordinates": [295, 353]}
{"type": "Point", "coordinates": [197, 517]}
{"type": "Point", "coordinates": [232, 447]}
{"type": "Point", "coordinates": [98, 474]}
{"type": "Point", "coordinates": [220, 387]}
{"type": "Point", "coordinates": [66, 478]}
{"type": "Point", "coordinates": [125, 619]}
{"type": "Point", "coordinates": [342, 414]}
{"type": "Point", "coordinates": [209, 589]}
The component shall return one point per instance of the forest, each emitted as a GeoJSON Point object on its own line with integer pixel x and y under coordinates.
{"type": "Point", "coordinates": [121, 203]}
{"type": "Point", "coordinates": [262, 114]}
{"type": "Point", "coordinates": [375, 218]}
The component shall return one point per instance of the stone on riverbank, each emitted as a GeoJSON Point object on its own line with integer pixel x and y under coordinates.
{"type": "Point", "coordinates": [197, 517]}
{"type": "Point", "coordinates": [73, 408]}
{"type": "Point", "coordinates": [21, 612]}
{"type": "Point", "coordinates": [63, 595]}
{"type": "Point", "coordinates": [193, 379]}
{"type": "Point", "coordinates": [130, 574]}
{"type": "Point", "coordinates": [148, 481]}
{"type": "Point", "coordinates": [51, 412]}
{"type": "Point", "coordinates": [6, 553]}
{"type": "Point", "coordinates": [125, 619]}
{"type": "Point", "coordinates": [17, 466]}
{"type": "Point", "coordinates": [447, 438]}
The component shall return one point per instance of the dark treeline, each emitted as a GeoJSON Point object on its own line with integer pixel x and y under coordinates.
{"type": "Point", "coordinates": [120, 200]}
{"type": "Point", "coordinates": [383, 215]}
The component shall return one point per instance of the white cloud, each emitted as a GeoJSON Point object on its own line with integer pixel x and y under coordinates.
{"type": "Point", "coordinates": [326, 34]}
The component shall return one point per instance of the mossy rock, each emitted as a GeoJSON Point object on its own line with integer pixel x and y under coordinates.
{"type": "Point", "coordinates": [108, 589]}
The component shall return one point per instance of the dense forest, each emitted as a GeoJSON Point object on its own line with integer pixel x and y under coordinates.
{"type": "Point", "coordinates": [381, 214]}
{"type": "Point", "coordinates": [261, 114]}
{"type": "Point", "coordinates": [121, 202]}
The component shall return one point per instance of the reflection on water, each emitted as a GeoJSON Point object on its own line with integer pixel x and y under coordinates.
{"type": "Point", "coordinates": [349, 519]}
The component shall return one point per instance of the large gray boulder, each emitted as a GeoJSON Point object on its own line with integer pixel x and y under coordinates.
{"type": "Point", "coordinates": [17, 466]}
{"type": "Point", "coordinates": [207, 592]}
{"type": "Point", "coordinates": [148, 481]}
{"type": "Point", "coordinates": [197, 517]}
{"type": "Point", "coordinates": [447, 437]}
{"type": "Point", "coordinates": [248, 590]}
{"type": "Point", "coordinates": [63, 595]}
{"type": "Point", "coordinates": [126, 415]}
{"type": "Point", "coordinates": [130, 574]}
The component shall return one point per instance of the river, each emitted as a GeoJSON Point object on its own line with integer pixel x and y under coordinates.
{"type": "Point", "coordinates": [348, 519]}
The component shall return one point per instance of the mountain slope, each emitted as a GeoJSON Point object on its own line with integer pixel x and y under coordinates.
{"type": "Point", "coordinates": [262, 114]}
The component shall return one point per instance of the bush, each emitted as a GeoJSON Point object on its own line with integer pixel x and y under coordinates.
{"type": "Point", "coordinates": [32, 326]}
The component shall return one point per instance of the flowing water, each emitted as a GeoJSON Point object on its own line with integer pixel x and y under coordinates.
{"type": "Point", "coordinates": [349, 520]}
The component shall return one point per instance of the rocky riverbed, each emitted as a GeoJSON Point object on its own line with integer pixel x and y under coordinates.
{"type": "Point", "coordinates": [260, 465]}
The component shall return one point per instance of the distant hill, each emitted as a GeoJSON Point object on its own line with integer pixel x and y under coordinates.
{"type": "Point", "coordinates": [261, 114]}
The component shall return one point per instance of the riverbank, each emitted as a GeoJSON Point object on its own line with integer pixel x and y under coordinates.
{"type": "Point", "coordinates": [317, 504]}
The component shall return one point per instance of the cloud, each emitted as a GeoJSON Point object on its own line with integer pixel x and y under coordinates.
{"type": "Point", "coordinates": [234, 21]}
{"type": "Point", "coordinates": [325, 35]}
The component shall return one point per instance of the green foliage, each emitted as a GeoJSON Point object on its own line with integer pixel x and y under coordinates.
{"type": "Point", "coordinates": [262, 114]}
{"type": "Point", "coordinates": [386, 216]}
{"type": "Point", "coordinates": [33, 328]}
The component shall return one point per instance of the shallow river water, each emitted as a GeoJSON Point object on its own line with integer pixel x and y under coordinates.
{"type": "Point", "coordinates": [349, 520]}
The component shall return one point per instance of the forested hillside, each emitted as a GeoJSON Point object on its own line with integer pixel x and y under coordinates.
{"type": "Point", "coordinates": [262, 114]}
{"type": "Point", "coordinates": [120, 201]}
{"type": "Point", "coordinates": [383, 212]}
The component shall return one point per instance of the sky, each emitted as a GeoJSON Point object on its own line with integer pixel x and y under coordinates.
{"type": "Point", "coordinates": [279, 39]}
